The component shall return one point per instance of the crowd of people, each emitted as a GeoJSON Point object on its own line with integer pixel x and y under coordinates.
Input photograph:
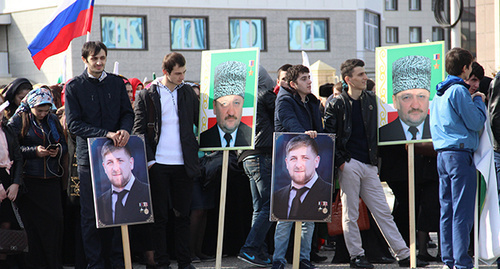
{"type": "Point", "coordinates": [44, 151]}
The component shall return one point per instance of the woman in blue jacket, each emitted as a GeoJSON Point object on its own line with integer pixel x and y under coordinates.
{"type": "Point", "coordinates": [43, 146]}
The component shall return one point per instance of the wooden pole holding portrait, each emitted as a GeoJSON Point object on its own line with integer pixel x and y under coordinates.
{"type": "Point", "coordinates": [411, 198]}
{"type": "Point", "coordinates": [229, 80]}
{"type": "Point", "coordinates": [126, 247]}
{"type": "Point", "coordinates": [222, 209]}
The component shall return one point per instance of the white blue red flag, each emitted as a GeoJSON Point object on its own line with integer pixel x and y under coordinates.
{"type": "Point", "coordinates": [73, 18]}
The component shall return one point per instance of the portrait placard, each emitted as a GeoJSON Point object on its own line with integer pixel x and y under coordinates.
{"type": "Point", "coordinates": [302, 177]}
{"type": "Point", "coordinates": [406, 79]}
{"type": "Point", "coordinates": [229, 80]}
{"type": "Point", "coordinates": [120, 182]}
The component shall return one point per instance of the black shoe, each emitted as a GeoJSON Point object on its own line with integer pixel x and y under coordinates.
{"type": "Point", "coordinates": [148, 266]}
{"type": "Point", "coordinates": [190, 266]}
{"type": "Point", "coordinates": [206, 258]}
{"type": "Point", "coordinates": [305, 264]}
{"type": "Point", "coordinates": [252, 259]}
{"type": "Point", "coordinates": [426, 257]}
{"type": "Point", "coordinates": [406, 263]}
{"type": "Point", "coordinates": [431, 244]}
{"type": "Point", "coordinates": [278, 265]}
{"type": "Point", "coordinates": [382, 260]}
{"type": "Point", "coordinates": [316, 258]}
{"type": "Point", "coordinates": [360, 262]}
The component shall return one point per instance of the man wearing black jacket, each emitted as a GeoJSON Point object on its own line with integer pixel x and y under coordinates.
{"type": "Point", "coordinates": [97, 105]}
{"type": "Point", "coordinates": [165, 113]}
{"type": "Point", "coordinates": [257, 164]}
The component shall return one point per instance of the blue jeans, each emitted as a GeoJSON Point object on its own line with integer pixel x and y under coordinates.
{"type": "Point", "coordinates": [258, 170]}
{"type": "Point", "coordinates": [282, 236]}
{"type": "Point", "coordinates": [497, 166]}
{"type": "Point", "coordinates": [102, 247]}
{"type": "Point", "coordinates": [457, 190]}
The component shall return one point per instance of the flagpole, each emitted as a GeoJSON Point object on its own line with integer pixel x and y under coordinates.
{"type": "Point", "coordinates": [476, 223]}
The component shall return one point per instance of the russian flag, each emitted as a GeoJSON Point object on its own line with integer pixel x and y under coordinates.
{"type": "Point", "coordinates": [73, 18]}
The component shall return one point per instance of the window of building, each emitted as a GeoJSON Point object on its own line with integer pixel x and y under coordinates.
{"type": "Point", "coordinates": [415, 34]}
{"type": "Point", "coordinates": [308, 34]}
{"type": "Point", "coordinates": [188, 33]}
{"type": "Point", "coordinates": [246, 33]}
{"type": "Point", "coordinates": [415, 5]}
{"type": "Point", "coordinates": [372, 30]}
{"type": "Point", "coordinates": [123, 32]}
{"type": "Point", "coordinates": [437, 34]}
{"type": "Point", "coordinates": [391, 35]}
{"type": "Point", "coordinates": [391, 4]}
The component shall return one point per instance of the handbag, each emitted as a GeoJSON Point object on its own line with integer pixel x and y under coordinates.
{"type": "Point", "coordinates": [335, 226]}
{"type": "Point", "coordinates": [14, 241]}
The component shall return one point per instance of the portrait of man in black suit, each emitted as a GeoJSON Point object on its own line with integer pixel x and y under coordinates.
{"type": "Point", "coordinates": [229, 95]}
{"type": "Point", "coordinates": [308, 196]}
{"type": "Point", "coordinates": [128, 199]}
{"type": "Point", "coordinates": [411, 82]}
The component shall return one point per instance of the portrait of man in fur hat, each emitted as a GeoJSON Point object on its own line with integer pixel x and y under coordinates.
{"type": "Point", "coordinates": [411, 81]}
{"type": "Point", "coordinates": [229, 95]}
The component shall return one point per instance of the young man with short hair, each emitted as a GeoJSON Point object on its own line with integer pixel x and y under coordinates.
{"type": "Point", "coordinates": [297, 110]}
{"type": "Point", "coordinates": [280, 80]}
{"type": "Point", "coordinates": [475, 77]}
{"type": "Point", "coordinates": [353, 118]}
{"type": "Point", "coordinates": [456, 119]}
{"type": "Point", "coordinates": [172, 154]}
{"type": "Point", "coordinates": [97, 105]}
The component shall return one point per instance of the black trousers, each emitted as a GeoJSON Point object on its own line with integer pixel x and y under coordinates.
{"type": "Point", "coordinates": [171, 188]}
{"type": "Point", "coordinates": [41, 212]}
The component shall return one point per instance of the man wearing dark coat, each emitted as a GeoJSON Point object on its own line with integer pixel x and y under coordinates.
{"type": "Point", "coordinates": [127, 201]}
{"type": "Point", "coordinates": [307, 196]}
{"type": "Point", "coordinates": [229, 95]}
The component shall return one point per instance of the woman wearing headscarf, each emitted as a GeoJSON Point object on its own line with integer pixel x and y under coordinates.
{"type": "Point", "coordinates": [14, 93]}
{"type": "Point", "coordinates": [42, 145]}
{"type": "Point", "coordinates": [137, 86]}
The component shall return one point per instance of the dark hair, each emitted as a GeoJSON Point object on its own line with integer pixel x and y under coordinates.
{"type": "Point", "coordinates": [370, 85]}
{"type": "Point", "coordinates": [338, 86]}
{"type": "Point", "coordinates": [10, 92]}
{"type": "Point", "coordinates": [456, 59]}
{"type": "Point", "coordinates": [294, 72]}
{"type": "Point", "coordinates": [109, 147]}
{"type": "Point", "coordinates": [302, 140]}
{"type": "Point", "coordinates": [171, 60]}
{"type": "Point", "coordinates": [283, 68]}
{"type": "Point", "coordinates": [348, 66]}
{"type": "Point", "coordinates": [477, 70]}
{"type": "Point", "coordinates": [91, 48]}
{"type": "Point", "coordinates": [326, 89]}
{"type": "Point", "coordinates": [56, 91]}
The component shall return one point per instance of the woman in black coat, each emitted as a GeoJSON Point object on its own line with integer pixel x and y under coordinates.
{"type": "Point", "coordinates": [42, 145]}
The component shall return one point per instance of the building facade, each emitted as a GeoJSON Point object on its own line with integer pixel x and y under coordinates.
{"type": "Point", "coordinates": [139, 34]}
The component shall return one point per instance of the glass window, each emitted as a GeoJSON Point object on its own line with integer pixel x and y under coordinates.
{"type": "Point", "coordinates": [415, 5]}
{"type": "Point", "coordinates": [391, 35]}
{"type": "Point", "coordinates": [437, 34]}
{"type": "Point", "coordinates": [120, 32]}
{"type": "Point", "coordinates": [310, 35]}
{"type": "Point", "coordinates": [415, 34]}
{"type": "Point", "coordinates": [372, 31]}
{"type": "Point", "coordinates": [188, 33]}
{"type": "Point", "coordinates": [391, 4]}
{"type": "Point", "coordinates": [246, 33]}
